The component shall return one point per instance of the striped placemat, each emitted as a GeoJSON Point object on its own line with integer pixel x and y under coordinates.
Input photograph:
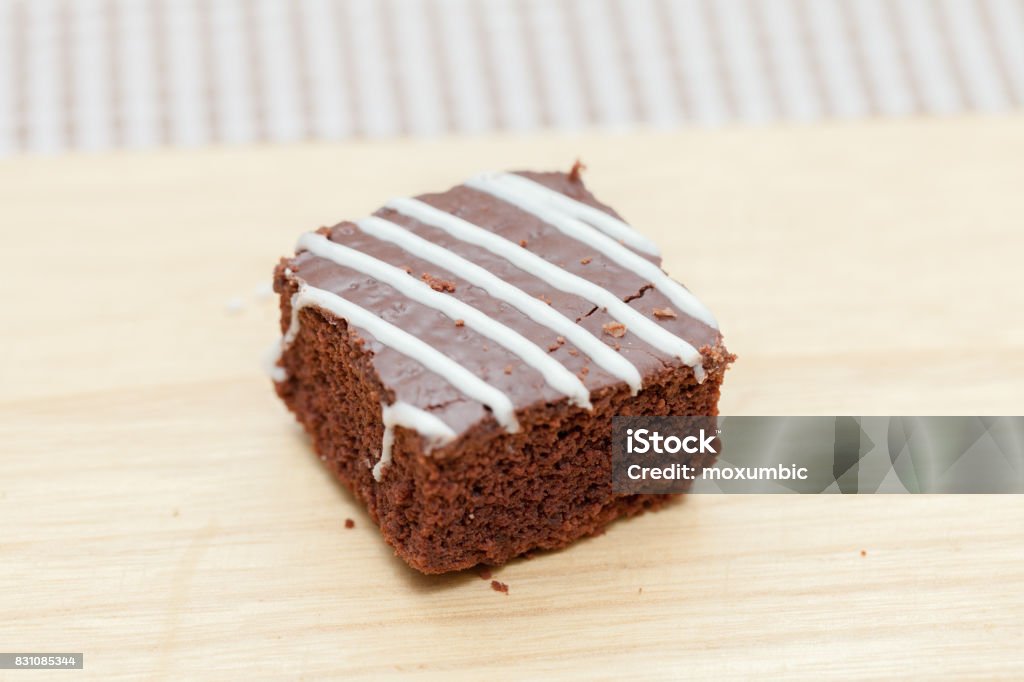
{"type": "Point", "coordinates": [97, 74]}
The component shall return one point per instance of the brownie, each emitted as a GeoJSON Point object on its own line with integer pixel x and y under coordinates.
{"type": "Point", "coordinates": [457, 359]}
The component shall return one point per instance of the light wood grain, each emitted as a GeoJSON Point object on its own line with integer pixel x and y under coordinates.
{"type": "Point", "coordinates": [161, 512]}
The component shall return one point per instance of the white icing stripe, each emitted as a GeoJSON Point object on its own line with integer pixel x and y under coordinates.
{"type": "Point", "coordinates": [557, 277]}
{"type": "Point", "coordinates": [554, 372]}
{"type": "Point", "coordinates": [540, 312]}
{"type": "Point", "coordinates": [405, 343]}
{"type": "Point", "coordinates": [610, 225]}
{"type": "Point", "coordinates": [273, 370]}
{"type": "Point", "coordinates": [500, 187]}
{"type": "Point", "coordinates": [432, 429]}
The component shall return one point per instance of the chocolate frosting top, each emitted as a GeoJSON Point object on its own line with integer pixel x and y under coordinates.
{"type": "Point", "coordinates": [412, 383]}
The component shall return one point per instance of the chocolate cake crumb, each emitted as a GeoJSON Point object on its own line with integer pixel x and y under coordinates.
{"type": "Point", "coordinates": [438, 284]}
{"type": "Point", "coordinates": [586, 261]}
{"type": "Point", "coordinates": [407, 269]}
{"type": "Point", "coordinates": [665, 313]}
{"type": "Point", "coordinates": [499, 587]}
{"type": "Point", "coordinates": [460, 323]}
{"type": "Point", "coordinates": [576, 172]}
{"type": "Point", "coordinates": [560, 340]}
{"type": "Point", "coordinates": [508, 369]}
{"type": "Point", "coordinates": [863, 552]}
{"type": "Point", "coordinates": [616, 329]}
{"type": "Point", "coordinates": [573, 352]}
{"type": "Point", "coordinates": [349, 523]}
{"type": "Point", "coordinates": [485, 573]}
{"type": "Point", "coordinates": [522, 243]}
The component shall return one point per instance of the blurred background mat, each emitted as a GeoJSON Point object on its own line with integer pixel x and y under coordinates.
{"type": "Point", "coordinates": [98, 74]}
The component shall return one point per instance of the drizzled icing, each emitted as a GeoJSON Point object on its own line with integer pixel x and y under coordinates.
{"type": "Point", "coordinates": [538, 311]}
{"type": "Point", "coordinates": [577, 220]}
{"type": "Point", "coordinates": [405, 343]}
{"type": "Point", "coordinates": [271, 367]}
{"type": "Point", "coordinates": [595, 217]}
{"type": "Point", "coordinates": [434, 431]}
{"type": "Point", "coordinates": [554, 372]}
{"type": "Point", "coordinates": [508, 188]}
{"type": "Point", "coordinates": [557, 277]}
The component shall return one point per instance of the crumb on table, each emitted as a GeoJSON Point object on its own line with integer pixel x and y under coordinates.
{"type": "Point", "coordinates": [349, 523]}
{"type": "Point", "coordinates": [234, 305]}
{"type": "Point", "coordinates": [499, 587]}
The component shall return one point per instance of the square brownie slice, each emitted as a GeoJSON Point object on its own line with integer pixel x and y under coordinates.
{"type": "Point", "coordinates": [457, 359]}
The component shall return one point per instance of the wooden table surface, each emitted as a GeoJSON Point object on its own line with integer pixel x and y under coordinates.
{"type": "Point", "coordinates": [162, 513]}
